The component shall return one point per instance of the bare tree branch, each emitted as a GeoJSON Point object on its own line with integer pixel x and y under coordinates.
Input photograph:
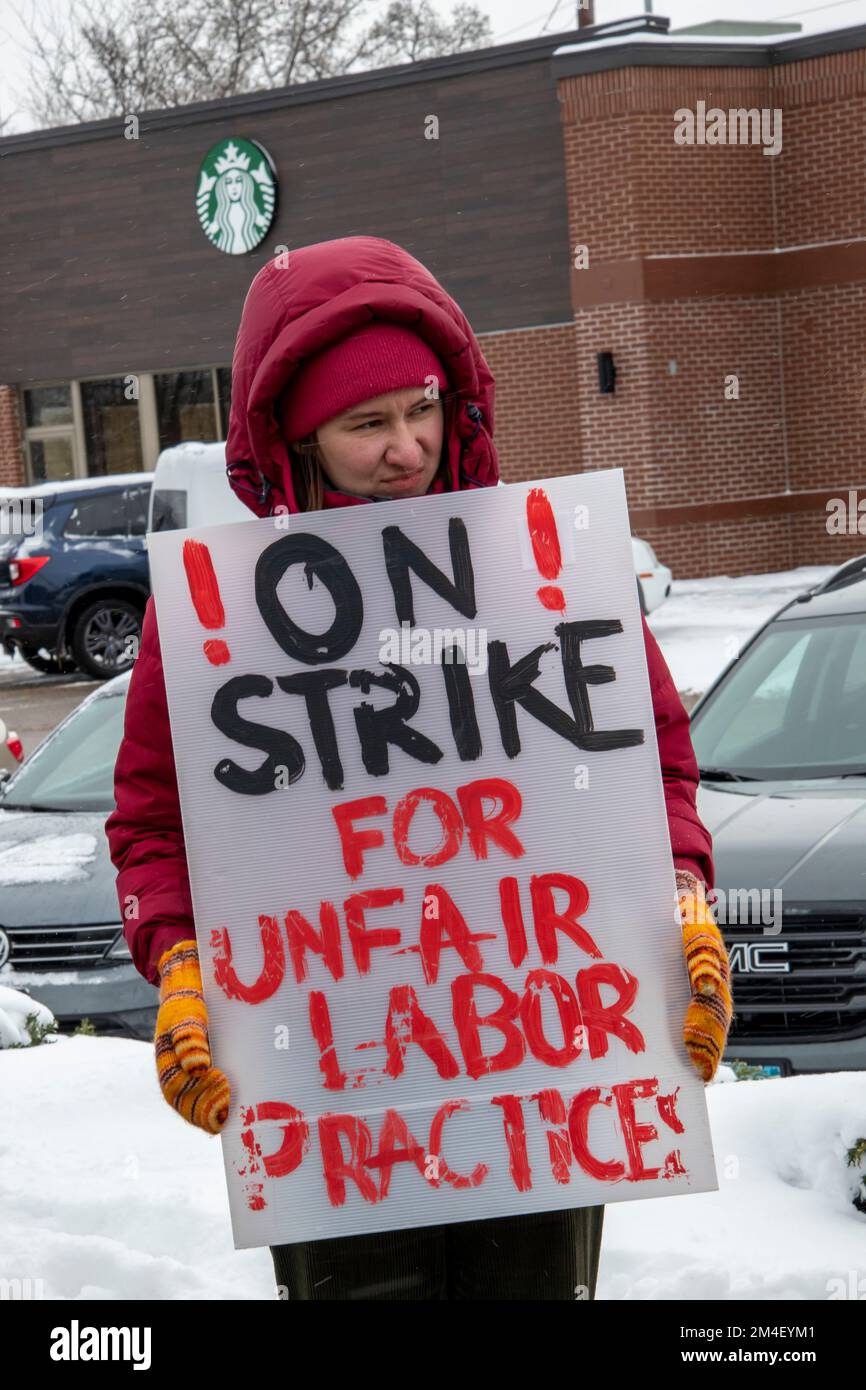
{"type": "Point", "coordinates": [89, 65]}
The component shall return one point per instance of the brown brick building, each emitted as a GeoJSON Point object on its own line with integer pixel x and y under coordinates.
{"type": "Point", "coordinates": [559, 206]}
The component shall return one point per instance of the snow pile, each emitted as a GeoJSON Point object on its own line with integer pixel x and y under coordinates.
{"type": "Point", "coordinates": [14, 663]}
{"type": "Point", "coordinates": [106, 1193]}
{"type": "Point", "coordinates": [781, 1226]}
{"type": "Point", "coordinates": [14, 1008]}
{"type": "Point", "coordinates": [47, 859]}
{"type": "Point", "coordinates": [705, 622]}
{"type": "Point", "coordinates": [725, 1073]}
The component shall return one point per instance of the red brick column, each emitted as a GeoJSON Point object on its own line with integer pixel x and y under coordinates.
{"type": "Point", "coordinates": [712, 265]}
{"type": "Point", "coordinates": [11, 439]}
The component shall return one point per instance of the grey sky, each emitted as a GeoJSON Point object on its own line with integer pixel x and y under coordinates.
{"type": "Point", "coordinates": [512, 20]}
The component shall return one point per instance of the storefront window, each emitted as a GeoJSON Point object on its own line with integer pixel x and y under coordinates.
{"type": "Point", "coordinates": [185, 407]}
{"type": "Point", "coordinates": [169, 408]}
{"type": "Point", "coordinates": [51, 460]}
{"type": "Point", "coordinates": [47, 405]}
{"type": "Point", "coordinates": [111, 427]}
{"type": "Point", "coordinates": [224, 386]}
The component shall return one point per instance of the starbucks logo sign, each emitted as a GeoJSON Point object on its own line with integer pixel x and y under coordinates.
{"type": "Point", "coordinates": [237, 191]}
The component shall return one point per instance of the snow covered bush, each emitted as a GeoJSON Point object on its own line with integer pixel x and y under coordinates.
{"type": "Point", "coordinates": [748, 1071]}
{"type": "Point", "coordinates": [24, 1022]}
{"type": "Point", "coordinates": [724, 1073]}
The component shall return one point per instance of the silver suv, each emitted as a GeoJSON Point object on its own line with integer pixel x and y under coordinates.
{"type": "Point", "coordinates": [780, 739]}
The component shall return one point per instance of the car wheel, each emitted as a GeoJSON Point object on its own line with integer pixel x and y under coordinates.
{"type": "Point", "coordinates": [49, 664]}
{"type": "Point", "coordinates": [641, 597]}
{"type": "Point", "coordinates": [102, 640]}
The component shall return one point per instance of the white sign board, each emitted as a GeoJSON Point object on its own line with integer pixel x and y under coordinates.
{"type": "Point", "coordinates": [430, 866]}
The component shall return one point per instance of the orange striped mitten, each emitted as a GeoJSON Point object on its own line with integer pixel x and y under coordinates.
{"type": "Point", "coordinates": [197, 1090]}
{"type": "Point", "coordinates": [710, 1009]}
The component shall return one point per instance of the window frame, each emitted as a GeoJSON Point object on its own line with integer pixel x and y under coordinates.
{"type": "Point", "coordinates": [804, 621]}
{"type": "Point", "coordinates": [94, 498]}
{"type": "Point", "coordinates": [148, 423]}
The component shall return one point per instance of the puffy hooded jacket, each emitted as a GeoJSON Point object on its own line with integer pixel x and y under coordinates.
{"type": "Point", "coordinates": [293, 309]}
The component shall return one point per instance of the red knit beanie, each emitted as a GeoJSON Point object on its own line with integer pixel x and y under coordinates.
{"type": "Point", "coordinates": [382, 356]}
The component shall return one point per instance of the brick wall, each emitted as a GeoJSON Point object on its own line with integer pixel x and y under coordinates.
{"type": "Point", "coordinates": [655, 214]}
{"type": "Point", "coordinates": [11, 446]}
{"type": "Point", "coordinates": [748, 545]}
{"type": "Point", "coordinates": [751, 544]}
{"type": "Point", "coordinates": [537, 420]}
{"type": "Point", "coordinates": [811, 545]}
{"type": "Point", "coordinates": [633, 191]}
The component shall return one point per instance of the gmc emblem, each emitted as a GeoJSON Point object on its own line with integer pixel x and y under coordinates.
{"type": "Point", "coordinates": [756, 957]}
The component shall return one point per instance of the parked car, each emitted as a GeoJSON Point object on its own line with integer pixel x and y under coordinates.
{"type": "Point", "coordinates": [72, 594]}
{"type": "Point", "coordinates": [61, 939]}
{"type": "Point", "coordinates": [780, 738]}
{"type": "Point", "coordinates": [653, 578]}
{"type": "Point", "coordinates": [11, 749]}
{"type": "Point", "coordinates": [190, 489]}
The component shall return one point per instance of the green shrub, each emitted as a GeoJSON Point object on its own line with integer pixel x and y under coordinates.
{"type": "Point", "coordinates": [855, 1156]}
{"type": "Point", "coordinates": [747, 1071]}
{"type": "Point", "coordinates": [36, 1031]}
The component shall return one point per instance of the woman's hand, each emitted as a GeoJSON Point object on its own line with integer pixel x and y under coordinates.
{"type": "Point", "coordinates": [708, 1016]}
{"type": "Point", "coordinates": [197, 1090]}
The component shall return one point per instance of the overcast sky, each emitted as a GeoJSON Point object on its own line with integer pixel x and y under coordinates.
{"type": "Point", "coordinates": [511, 20]}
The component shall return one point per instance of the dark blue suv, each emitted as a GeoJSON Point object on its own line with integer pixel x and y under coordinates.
{"type": "Point", "coordinates": [74, 574]}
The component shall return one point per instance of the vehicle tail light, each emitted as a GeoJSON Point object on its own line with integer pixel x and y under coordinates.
{"type": "Point", "coordinates": [16, 747]}
{"type": "Point", "coordinates": [22, 570]}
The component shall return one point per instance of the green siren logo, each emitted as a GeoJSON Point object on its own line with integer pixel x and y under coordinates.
{"type": "Point", "coordinates": [237, 190]}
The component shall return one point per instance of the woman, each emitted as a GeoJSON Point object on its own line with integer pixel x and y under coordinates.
{"type": "Point", "coordinates": [356, 378]}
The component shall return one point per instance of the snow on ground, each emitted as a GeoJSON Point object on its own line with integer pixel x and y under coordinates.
{"type": "Point", "coordinates": [15, 664]}
{"type": "Point", "coordinates": [781, 1226]}
{"type": "Point", "coordinates": [704, 622]}
{"type": "Point", "coordinates": [106, 1193]}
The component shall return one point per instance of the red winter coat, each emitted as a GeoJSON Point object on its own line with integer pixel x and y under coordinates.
{"type": "Point", "coordinates": [292, 310]}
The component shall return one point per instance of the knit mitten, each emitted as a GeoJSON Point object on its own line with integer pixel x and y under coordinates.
{"type": "Point", "coordinates": [710, 1009]}
{"type": "Point", "coordinates": [197, 1090]}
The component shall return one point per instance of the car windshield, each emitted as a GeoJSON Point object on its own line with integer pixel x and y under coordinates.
{"type": "Point", "coordinates": [793, 706]}
{"type": "Point", "coordinates": [73, 770]}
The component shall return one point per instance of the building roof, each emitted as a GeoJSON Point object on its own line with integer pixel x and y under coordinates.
{"type": "Point", "coordinates": [654, 47]}
{"type": "Point", "coordinates": [300, 93]}
{"type": "Point", "coordinates": [642, 41]}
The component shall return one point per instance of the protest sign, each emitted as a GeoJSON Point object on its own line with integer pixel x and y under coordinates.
{"type": "Point", "coordinates": [430, 866]}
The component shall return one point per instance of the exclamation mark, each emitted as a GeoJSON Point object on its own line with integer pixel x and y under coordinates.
{"type": "Point", "coordinates": [545, 547]}
{"type": "Point", "coordinates": [205, 595]}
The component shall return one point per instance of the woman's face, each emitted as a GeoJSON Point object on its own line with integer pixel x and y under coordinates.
{"type": "Point", "coordinates": [234, 182]}
{"type": "Point", "coordinates": [389, 446]}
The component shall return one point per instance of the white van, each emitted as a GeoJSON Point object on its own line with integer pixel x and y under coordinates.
{"type": "Point", "coordinates": [190, 489]}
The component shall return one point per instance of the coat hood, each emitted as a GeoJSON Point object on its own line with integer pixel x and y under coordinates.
{"type": "Point", "coordinates": [307, 298]}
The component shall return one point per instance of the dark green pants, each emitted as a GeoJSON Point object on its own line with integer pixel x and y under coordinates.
{"type": "Point", "coordinates": [549, 1255]}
